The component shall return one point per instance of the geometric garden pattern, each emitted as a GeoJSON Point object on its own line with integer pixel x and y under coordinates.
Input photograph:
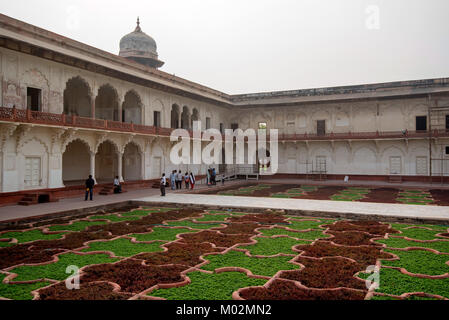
{"type": "Point", "coordinates": [340, 193]}
{"type": "Point", "coordinates": [189, 254]}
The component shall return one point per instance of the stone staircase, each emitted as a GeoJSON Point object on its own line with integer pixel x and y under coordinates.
{"type": "Point", "coordinates": [36, 198]}
{"type": "Point", "coordinates": [395, 179]}
{"type": "Point", "coordinates": [108, 190]}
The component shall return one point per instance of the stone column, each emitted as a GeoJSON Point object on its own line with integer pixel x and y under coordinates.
{"type": "Point", "coordinates": [92, 107]}
{"type": "Point", "coordinates": [92, 166]}
{"type": "Point", "coordinates": [120, 166]}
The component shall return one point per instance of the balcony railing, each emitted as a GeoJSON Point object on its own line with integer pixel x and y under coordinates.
{"type": "Point", "coordinates": [364, 135]}
{"type": "Point", "coordinates": [36, 117]}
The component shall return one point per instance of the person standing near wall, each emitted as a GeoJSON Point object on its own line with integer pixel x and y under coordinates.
{"type": "Point", "coordinates": [214, 176]}
{"type": "Point", "coordinates": [173, 180]}
{"type": "Point", "coordinates": [192, 180]}
{"type": "Point", "coordinates": [187, 180]}
{"type": "Point", "coordinates": [163, 184]}
{"type": "Point", "coordinates": [90, 183]}
{"type": "Point", "coordinates": [179, 180]}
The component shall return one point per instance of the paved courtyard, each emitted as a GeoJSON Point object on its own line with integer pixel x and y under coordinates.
{"type": "Point", "coordinates": [179, 197]}
{"type": "Point", "coordinates": [308, 206]}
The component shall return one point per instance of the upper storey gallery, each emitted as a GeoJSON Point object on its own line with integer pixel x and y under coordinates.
{"type": "Point", "coordinates": [46, 72]}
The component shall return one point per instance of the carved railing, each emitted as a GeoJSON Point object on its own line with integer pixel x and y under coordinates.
{"type": "Point", "coordinates": [364, 135]}
{"type": "Point", "coordinates": [28, 116]}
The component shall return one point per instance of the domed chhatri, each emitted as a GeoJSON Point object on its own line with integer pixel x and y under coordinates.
{"type": "Point", "coordinates": [140, 47]}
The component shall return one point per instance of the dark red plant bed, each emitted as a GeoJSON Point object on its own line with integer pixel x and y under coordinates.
{"type": "Point", "coordinates": [220, 240]}
{"type": "Point", "coordinates": [352, 238]}
{"type": "Point", "coordinates": [440, 197]}
{"type": "Point", "coordinates": [266, 218]}
{"type": "Point", "coordinates": [87, 291]}
{"type": "Point", "coordinates": [132, 276]}
{"type": "Point", "coordinates": [285, 290]}
{"type": "Point", "coordinates": [382, 195]}
{"type": "Point", "coordinates": [22, 254]}
{"type": "Point", "coordinates": [366, 256]}
{"type": "Point", "coordinates": [323, 193]}
{"type": "Point", "coordinates": [326, 273]}
{"type": "Point", "coordinates": [179, 253]}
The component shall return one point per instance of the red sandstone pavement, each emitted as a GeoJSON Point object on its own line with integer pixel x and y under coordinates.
{"type": "Point", "coordinates": [18, 212]}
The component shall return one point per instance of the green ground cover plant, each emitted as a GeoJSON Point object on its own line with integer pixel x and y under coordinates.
{"type": "Point", "coordinates": [57, 270]}
{"type": "Point", "coordinates": [273, 246]}
{"type": "Point", "coordinates": [206, 286]}
{"type": "Point", "coordinates": [441, 246]}
{"type": "Point", "coordinates": [415, 197]}
{"type": "Point", "coordinates": [419, 261]}
{"type": "Point", "coordinates": [31, 235]}
{"type": "Point", "coordinates": [396, 283]}
{"type": "Point", "coordinates": [419, 234]}
{"type": "Point", "coordinates": [351, 194]}
{"type": "Point", "coordinates": [77, 226]}
{"type": "Point", "coordinates": [124, 247]}
{"type": "Point", "coordinates": [19, 291]}
{"type": "Point", "coordinates": [400, 226]}
{"type": "Point", "coordinates": [258, 266]}
{"type": "Point", "coordinates": [5, 244]}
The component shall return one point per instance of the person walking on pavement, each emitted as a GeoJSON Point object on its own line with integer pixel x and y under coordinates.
{"type": "Point", "coordinates": [163, 184]}
{"type": "Point", "coordinates": [90, 183]}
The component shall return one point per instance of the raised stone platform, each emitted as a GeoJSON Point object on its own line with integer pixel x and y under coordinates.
{"type": "Point", "coordinates": [322, 208]}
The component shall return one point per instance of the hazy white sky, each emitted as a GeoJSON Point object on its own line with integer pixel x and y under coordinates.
{"type": "Point", "coordinates": [242, 46]}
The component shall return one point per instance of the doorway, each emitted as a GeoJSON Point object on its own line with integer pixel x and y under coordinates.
{"type": "Point", "coordinates": [32, 172]}
{"type": "Point", "coordinates": [34, 99]}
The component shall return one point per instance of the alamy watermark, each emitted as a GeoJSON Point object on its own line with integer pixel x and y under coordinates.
{"type": "Point", "coordinates": [251, 148]}
{"type": "Point", "coordinates": [73, 281]}
{"type": "Point", "coordinates": [372, 21]}
{"type": "Point", "coordinates": [373, 280]}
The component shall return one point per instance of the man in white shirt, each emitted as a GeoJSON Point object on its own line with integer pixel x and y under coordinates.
{"type": "Point", "coordinates": [163, 184]}
{"type": "Point", "coordinates": [179, 180]}
{"type": "Point", "coordinates": [117, 185]}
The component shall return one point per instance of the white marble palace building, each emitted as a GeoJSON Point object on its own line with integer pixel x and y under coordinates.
{"type": "Point", "coordinates": [69, 110]}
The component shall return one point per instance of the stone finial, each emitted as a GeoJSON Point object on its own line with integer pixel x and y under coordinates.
{"type": "Point", "coordinates": [138, 25]}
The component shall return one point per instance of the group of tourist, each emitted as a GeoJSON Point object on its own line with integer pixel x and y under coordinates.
{"type": "Point", "coordinates": [176, 181]}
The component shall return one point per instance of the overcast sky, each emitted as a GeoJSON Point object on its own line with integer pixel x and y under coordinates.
{"type": "Point", "coordinates": [243, 46]}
